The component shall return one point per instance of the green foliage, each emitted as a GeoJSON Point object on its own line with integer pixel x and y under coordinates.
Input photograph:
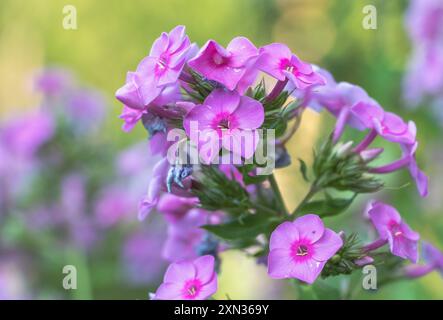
{"type": "Point", "coordinates": [343, 170]}
{"type": "Point", "coordinates": [244, 228]}
{"type": "Point", "coordinates": [343, 262]}
{"type": "Point", "coordinates": [218, 192]}
{"type": "Point", "coordinates": [327, 207]}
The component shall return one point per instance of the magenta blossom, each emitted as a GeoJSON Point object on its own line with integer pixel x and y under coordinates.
{"type": "Point", "coordinates": [277, 60]}
{"type": "Point", "coordinates": [226, 66]}
{"type": "Point", "coordinates": [391, 229]}
{"type": "Point", "coordinates": [157, 186]}
{"type": "Point", "coordinates": [228, 120]}
{"type": "Point", "coordinates": [161, 68]}
{"type": "Point", "coordinates": [408, 159]}
{"type": "Point", "coordinates": [300, 249]}
{"type": "Point", "coordinates": [174, 208]}
{"type": "Point", "coordinates": [433, 261]}
{"type": "Point", "coordinates": [433, 257]}
{"type": "Point", "coordinates": [22, 137]}
{"type": "Point", "coordinates": [392, 128]}
{"type": "Point", "coordinates": [53, 81]}
{"type": "Point", "coordinates": [351, 105]}
{"type": "Point", "coordinates": [189, 280]}
{"type": "Point", "coordinates": [185, 234]}
{"type": "Point", "coordinates": [421, 180]}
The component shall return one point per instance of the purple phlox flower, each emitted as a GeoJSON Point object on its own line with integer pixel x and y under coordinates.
{"type": "Point", "coordinates": [433, 259]}
{"type": "Point", "coordinates": [131, 117]}
{"type": "Point", "coordinates": [424, 20]}
{"type": "Point", "coordinates": [392, 128]}
{"type": "Point", "coordinates": [22, 137]}
{"type": "Point", "coordinates": [135, 159]}
{"type": "Point", "coordinates": [174, 208]}
{"type": "Point", "coordinates": [351, 105]}
{"type": "Point", "coordinates": [132, 113]}
{"type": "Point", "coordinates": [307, 95]}
{"type": "Point", "coordinates": [420, 178]}
{"type": "Point", "coordinates": [184, 235]}
{"type": "Point", "coordinates": [225, 119]}
{"type": "Point", "coordinates": [85, 108]}
{"type": "Point", "coordinates": [157, 129]}
{"type": "Point", "coordinates": [53, 81]}
{"type": "Point", "coordinates": [364, 261]}
{"type": "Point", "coordinates": [277, 60]}
{"type": "Point", "coordinates": [433, 256]}
{"type": "Point", "coordinates": [168, 56]}
{"type": "Point", "coordinates": [158, 72]}
{"type": "Point", "coordinates": [113, 205]}
{"type": "Point", "coordinates": [408, 159]}
{"type": "Point", "coordinates": [424, 75]}
{"type": "Point", "coordinates": [158, 184]}
{"type": "Point", "coordinates": [189, 280]}
{"type": "Point", "coordinates": [301, 248]}
{"type": "Point", "coordinates": [141, 258]}
{"type": "Point", "coordinates": [226, 66]}
{"type": "Point", "coordinates": [391, 229]}
{"type": "Point", "coordinates": [73, 196]}
{"type": "Point", "coordinates": [184, 232]}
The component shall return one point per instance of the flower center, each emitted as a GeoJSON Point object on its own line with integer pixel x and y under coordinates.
{"type": "Point", "coordinates": [395, 229]}
{"type": "Point", "coordinates": [224, 124]}
{"type": "Point", "coordinates": [192, 288]}
{"type": "Point", "coordinates": [288, 66]}
{"type": "Point", "coordinates": [218, 59]}
{"type": "Point", "coordinates": [302, 250]}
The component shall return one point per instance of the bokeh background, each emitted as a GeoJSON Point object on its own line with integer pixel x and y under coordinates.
{"type": "Point", "coordinates": [113, 36]}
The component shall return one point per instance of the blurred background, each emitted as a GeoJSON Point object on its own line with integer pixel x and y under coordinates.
{"type": "Point", "coordinates": [117, 256]}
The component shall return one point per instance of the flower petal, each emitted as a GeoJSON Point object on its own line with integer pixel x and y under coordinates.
{"type": "Point", "coordinates": [204, 266]}
{"type": "Point", "coordinates": [310, 227]}
{"type": "Point", "coordinates": [180, 272]}
{"type": "Point", "coordinates": [280, 263]}
{"type": "Point", "coordinates": [249, 114]}
{"type": "Point", "coordinates": [327, 245]}
{"type": "Point", "coordinates": [283, 236]}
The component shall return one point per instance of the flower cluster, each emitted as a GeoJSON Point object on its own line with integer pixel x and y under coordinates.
{"type": "Point", "coordinates": [424, 79]}
{"type": "Point", "coordinates": [212, 100]}
{"type": "Point", "coordinates": [64, 190]}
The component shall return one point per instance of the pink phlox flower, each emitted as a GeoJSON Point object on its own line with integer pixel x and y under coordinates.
{"type": "Point", "coordinates": [189, 280]}
{"type": "Point", "coordinates": [300, 249]}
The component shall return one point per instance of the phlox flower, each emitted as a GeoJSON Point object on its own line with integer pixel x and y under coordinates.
{"type": "Point", "coordinates": [226, 66]}
{"type": "Point", "coordinates": [433, 259]}
{"type": "Point", "coordinates": [156, 74]}
{"type": "Point", "coordinates": [277, 60]}
{"type": "Point", "coordinates": [158, 185]}
{"type": "Point", "coordinates": [407, 160]}
{"type": "Point", "coordinates": [23, 136]}
{"type": "Point", "coordinates": [391, 229]}
{"type": "Point", "coordinates": [228, 120]}
{"type": "Point", "coordinates": [189, 280]}
{"type": "Point", "coordinates": [174, 208]}
{"type": "Point", "coordinates": [53, 81]}
{"type": "Point", "coordinates": [300, 249]}
{"type": "Point", "coordinates": [185, 234]}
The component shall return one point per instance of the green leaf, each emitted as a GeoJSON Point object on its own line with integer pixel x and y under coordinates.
{"type": "Point", "coordinates": [328, 206]}
{"type": "Point", "coordinates": [303, 169]}
{"type": "Point", "coordinates": [248, 227]}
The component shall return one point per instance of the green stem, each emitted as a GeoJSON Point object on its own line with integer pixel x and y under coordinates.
{"type": "Point", "coordinates": [277, 193]}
